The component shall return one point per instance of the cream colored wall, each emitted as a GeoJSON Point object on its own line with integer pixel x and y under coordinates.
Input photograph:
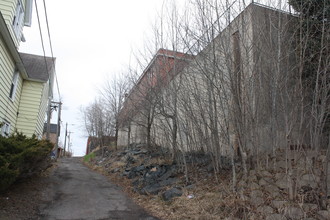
{"type": "Point", "coordinates": [8, 107]}
{"type": "Point", "coordinates": [42, 110]}
{"type": "Point", "coordinates": [28, 121]}
{"type": "Point", "coordinates": [8, 9]}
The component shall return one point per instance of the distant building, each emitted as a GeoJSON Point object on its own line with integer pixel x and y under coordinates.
{"type": "Point", "coordinates": [164, 66]}
{"type": "Point", "coordinates": [94, 142]}
{"type": "Point", "coordinates": [231, 77]}
{"type": "Point", "coordinates": [53, 136]}
{"type": "Point", "coordinates": [52, 132]}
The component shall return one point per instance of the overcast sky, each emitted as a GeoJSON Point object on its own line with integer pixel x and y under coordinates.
{"type": "Point", "coordinates": [90, 41]}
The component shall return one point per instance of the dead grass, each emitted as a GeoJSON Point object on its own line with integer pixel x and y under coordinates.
{"type": "Point", "coordinates": [212, 196]}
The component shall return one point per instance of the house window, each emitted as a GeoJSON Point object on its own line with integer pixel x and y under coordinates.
{"type": "Point", "coordinates": [18, 18]}
{"type": "Point", "coordinates": [28, 13]}
{"type": "Point", "coordinates": [5, 129]}
{"type": "Point", "coordinates": [13, 86]}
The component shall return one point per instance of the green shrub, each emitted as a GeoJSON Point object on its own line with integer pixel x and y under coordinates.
{"type": "Point", "coordinates": [21, 157]}
{"type": "Point", "coordinates": [89, 157]}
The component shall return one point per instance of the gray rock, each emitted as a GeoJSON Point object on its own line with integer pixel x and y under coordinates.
{"type": "Point", "coordinates": [131, 174]}
{"type": "Point", "coordinates": [125, 173]}
{"type": "Point", "coordinates": [308, 207]}
{"type": "Point", "coordinates": [138, 152]}
{"type": "Point", "coordinates": [254, 186]}
{"type": "Point", "coordinates": [309, 180]}
{"type": "Point", "coordinates": [167, 174]}
{"type": "Point", "coordinates": [282, 183]}
{"type": "Point", "coordinates": [257, 201]}
{"type": "Point", "coordinates": [139, 168]}
{"type": "Point", "coordinates": [252, 173]}
{"type": "Point", "coordinates": [279, 175]}
{"type": "Point", "coordinates": [169, 181]}
{"type": "Point", "coordinates": [256, 198]}
{"type": "Point", "coordinates": [294, 213]}
{"type": "Point", "coordinates": [265, 210]}
{"type": "Point", "coordinates": [310, 177]}
{"type": "Point", "coordinates": [241, 183]}
{"type": "Point", "coordinates": [210, 168]}
{"type": "Point", "coordinates": [151, 189]}
{"type": "Point", "coordinates": [273, 191]}
{"type": "Point", "coordinates": [275, 217]}
{"type": "Point", "coordinates": [252, 177]}
{"type": "Point", "coordinates": [323, 215]}
{"type": "Point", "coordinates": [256, 193]}
{"type": "Point", "coordinates": [278, 204]}
{"type": "Point", "coordinates": [192, 186]}
{"type": "Point", "coordinates": [281, 164]}
{"type": "Point", "coordinates": [263, 182]}
{"type": "Point", "coordinates": [265, 173]}
{"type": "Point", "coordinates": [171, 193]}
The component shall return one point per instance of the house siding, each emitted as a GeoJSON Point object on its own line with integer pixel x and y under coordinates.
{"type": "Point", "coordinates": [42, 109]}
{"type": "Point", "coordinates": [8, 107]}
{"type": "Point", "coordinates": [8, 8]}
{"type": "Point", "coordinates": [29, 109]}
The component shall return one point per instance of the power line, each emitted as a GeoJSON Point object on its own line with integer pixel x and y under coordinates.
{"type": "Point", "coordinates": [42, 40]}
{"type": "Point", "coordinates": [43, 47]}
{"type": "Point", "coordinates": [51, 49]}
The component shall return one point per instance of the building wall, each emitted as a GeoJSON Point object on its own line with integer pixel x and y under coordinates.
{"type": "Point", "coordinates": [28, 120]}
{"type": "Point", "coordinates": [52, 137]}
{"type": "Point", "coordinates": [227, 91]}
{"type": "Point", "coordinates": [8, 107]}
{"type": "Point", "coordinates": [43, 108]}
{"type": "Point", "coordinates": [8, 9]}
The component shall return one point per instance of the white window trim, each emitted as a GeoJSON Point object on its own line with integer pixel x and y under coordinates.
{"type": "Point", "coordinates": [13, 87]}
{"type": "Point", "coordinates": [18, 19]}
{"type": "Point", "coordinates": [28, 13]}
{"type": "Point", "coordinates": [5, 129]}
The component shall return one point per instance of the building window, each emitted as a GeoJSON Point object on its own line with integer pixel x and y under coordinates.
{"type": "Point", "coordinates": [28, 13]}
{"type": "Point", "coordinates": [5, 129]}
{"type": "Point", "coordinates": [18, 18]}
{"type": "Point", "coordinates": [13, 86]}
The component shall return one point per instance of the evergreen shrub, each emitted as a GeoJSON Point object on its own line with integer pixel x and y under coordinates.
{"type": "Point", "coordinates": [21, 157]}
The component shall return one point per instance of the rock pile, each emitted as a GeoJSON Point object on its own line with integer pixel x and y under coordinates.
{"type": "Point", "coordinates": [269, 190]}
{"type": "Point", "coordinates": [148, 177]}
{"type": "Point", "coordinates": [265, 192]}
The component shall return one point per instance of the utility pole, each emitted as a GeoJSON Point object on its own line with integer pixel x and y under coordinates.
{"type": "Point", "coordinates": [69, 138]}
{"type": "Point", "coordinates": [49, 113]}
{"type": "Point", "coordinates": [65, 137]}
{"type": "Point", "coordinates": [59, 104]}
{"type": "Point", "coordinates": [66, 134]}
{"type": "Point", "coordinates": [53, 106]}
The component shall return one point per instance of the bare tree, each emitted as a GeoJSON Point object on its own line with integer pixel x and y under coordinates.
{"type": "Point", "coordinates": [98, 121]}
{"type": "Point", "coordinates": [114, 91]}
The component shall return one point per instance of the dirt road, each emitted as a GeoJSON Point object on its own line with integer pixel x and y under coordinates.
{"type": "Point", "coordinates": [76, 192]}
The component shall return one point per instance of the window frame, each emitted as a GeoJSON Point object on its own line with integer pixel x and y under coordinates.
{"type": "Point", "coordinates": [5, 129]}
{"type": "Point", "coordinates": [18, 18]}
{"type": "Point", "coordinates": [13, 86]}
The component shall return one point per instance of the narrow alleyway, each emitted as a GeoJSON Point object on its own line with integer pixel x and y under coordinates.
{"type": "Point", "coordinates": [76, 192]}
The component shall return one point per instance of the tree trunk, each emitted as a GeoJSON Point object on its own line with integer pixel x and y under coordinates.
{"type": "Point", "coordinates": [148, 135]}
{"type": "Point", "coordinates": [116, 135]}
